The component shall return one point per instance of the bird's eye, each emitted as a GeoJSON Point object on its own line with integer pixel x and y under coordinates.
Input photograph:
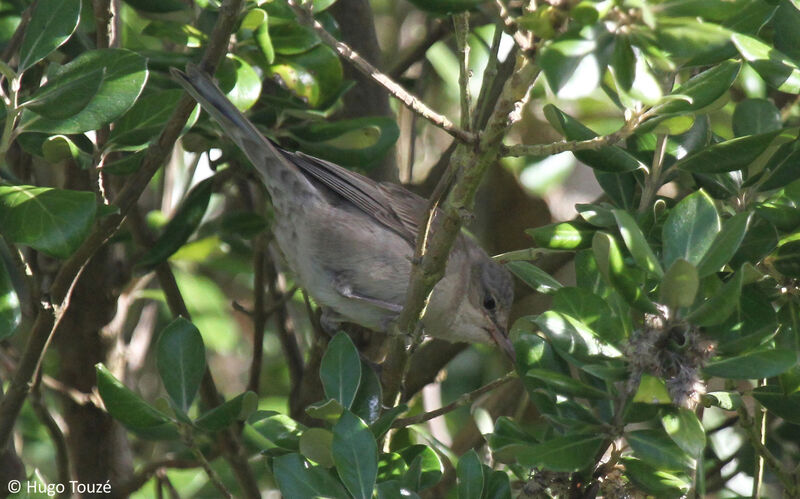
{"type": "Point", "coordinates": [488, 303]}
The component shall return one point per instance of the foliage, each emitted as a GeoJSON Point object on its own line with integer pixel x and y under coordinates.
{"type": "Point", "coordinates": [666, 365]}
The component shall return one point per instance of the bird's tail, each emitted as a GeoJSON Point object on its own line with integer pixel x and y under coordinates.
{"type": "Point", "coordinates": [267, 159]}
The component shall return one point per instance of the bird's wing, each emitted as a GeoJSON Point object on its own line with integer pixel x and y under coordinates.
{"type": "Point", "coordinates": [392, 205]}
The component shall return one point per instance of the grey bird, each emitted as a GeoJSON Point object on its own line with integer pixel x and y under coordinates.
{"type": "Point", "coordinates": [350, 240]}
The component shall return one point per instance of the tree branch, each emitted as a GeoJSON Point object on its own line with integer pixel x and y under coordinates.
{"type": "Point", "coordinates": [394, 88]}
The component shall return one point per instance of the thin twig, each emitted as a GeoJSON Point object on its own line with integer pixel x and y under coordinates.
{"type": "Point", "coordinates": [747, 423]}
{"type": "Point", "coordinates": [652, 181]}
{"type": "Point", "coordinates": [56, 435]}
{"type": "Point", "coordinates": [16, 39]}
{"type": "Point", "coordinates": [147, 471]}
{"type": "Point", "coordinates": [463, 400]}
{"type": "Point", "coordinates": [405, 60]}
{"type": "Point", "coordinates": [188, 440]}
{"type": "Point", "coordinates": [259, 317]}
{"type": "Point", "coordinates": [461, 24]}
{"type": "Point", "coordinates": [394, 88]}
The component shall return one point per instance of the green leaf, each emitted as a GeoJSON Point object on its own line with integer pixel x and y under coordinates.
{"type": "Point", "coordinates": [279, 429]}
{"type": "Point", "coordinates": [315, 444]}
{"type": "Point", "coordinates": [572, 339]}
{"type": "Point", "coordinates": [314, 77]}
{"type": "Point", "coordinates": [181, 361]}
{"type": "Point", "coordinates": [52, 23]}
{"type": "Point", "coordinates": [652, 390]}
{"type": "Point", "coordinates": [657, 448]}
{"type": "Point", "coordinates": [239, 81]}
{"type": "Point", "coordinates": [778, 403]}
{"type": "Point", "coordinates": [144, 121]}
{"type": "Point", "coordinates": [236, 409]}
{"type": "Point", "coordinates": [690, 229]}
{"type": "Point", "coordinates": [340, 370]}
{"type": "Point", "coordinates": [701, 90]}
{"type": "Point", "coordinates": [534, 277]}
{"type": "Point", "coordinates": [686, 430]}
{"type": "Point", "coordinates": [497, 484]}
{"type": "Point", "coordinates": [446, 7]}
{"type": "Point", "coordinates": [329, 410]}
{"type": "Point", "coordinates": [157, 6]}
{"type": "Point", "coordinates": [563, 235]}
{"type": "Point", "coordinates": [367, 403]}
{"type": "Point", "coordinates": [65, 96]}
{"type": "Point", "coordinates": [182, 225]}
{"type": "Point", "coordinates": [53, 221]}
{"type": "Point", "coordinates": [130, 410]}
{"type": "Point", "coordinates": [777, 69]}
{"type": "Point", "coordinates": [298, 480]}
{"type": "Point", "coordinates": [264, 43]}
{"type": "Point", "coordinates": [753, 365]}
{"type": "Point", "coordinates": [636, 243]}
{"type": "Point", "coordinates": [755, 116]}
{"type": "Point", "coordinates": [591, 310]}
{"type": "Point", "coordinates": [719, 307]}
{"type": "Point", "coordinates": [623, 63]}
{"type": "Point", "coordinates": [611, 265]}
{"type": "Point", "coordinates": [730, 155]}
{"type": "Point", "coordinates": [392, 489]}
{"type": "Point", "coordinates": [384, 422]}
{"type": "Point", "coordinates": [680, 284]}
{"type": "Point", "coordinates": [59, 148]}
{"type": "Point", "coordinates": [359, 142]}
{"type": "Point", "coordinates": [572, 452]}
{"type": "Point", "coordinates": [786, 259]}
{"type": "Point", "coordinates": [728, 401]}
{"type": "Point", "coordinates": [470, 475]}
{"type": "Point", "coordinates": [574, 67]}
{"type": "Point", "coordinates": [566, 385]}
{"type": "Point", "coordinates": [693, 42]}
{"type": "Point", "coordinates": [786, 22]}
{"type": "Point", "coordinates": [292, 38]}
{"type": "Point", "coordinates": [620, 187]}
{"type": "Point", "coordinates": [655, 481]}
{"type": "Point", "coordinates": [725, 244]}
{"type": "Point", "coordinates": [355, 453]}
{"type": "Point", "coordinates": [425, 469]}
{"type": "Point", "coordinates": [10, 313]}
{"type": "Point", "coordinates": [611, 159]}
{"type": "Point", "coordinates": [123, 80]}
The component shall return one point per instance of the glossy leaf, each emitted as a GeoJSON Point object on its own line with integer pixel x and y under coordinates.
{"type": "Point", "coordinates": [701, 90]}
{"type": "Point", "coordinates": [144, 121]}
{"type": "Point", "coordinates": [652, 390]}
{"type": "Point", "coordinates": [612, 159]}
{"type": "Point", "coordinates": [65, 96]}
{"type": "Point", "coordinates": [636, 243]}
{"type": "Point", "coordinates": [368, 399]}
{"type": "Point", "coordinates": [655, 481]}
{"type": "Point", "coordinates": [384, 422]}
{"type": "Point", "coordinates": [574, 67]}
{"type": "Point", "coordinates": [124, 76]}
{"type": "Point", "coordinates": [279, 429]}
{"type": "Point", "coordinates": [786, 259]}
{"type": "Point", "coordinates": [425, 469]}
{"type": "Point", "coordinates": [236, 409]}
{"type": "Point", "coordinates": [680, 283]}
{"type": "Point", "coordinates": [786, 22]}
{"type": "Point", "coordinates": [10, 312]}
{"type": "Point", "coordinates": [355, 453]}
{"type": "Point", "coordinates": [719, 307]}
{"type": "Point", "coordinates": [593, 311]}
{"type": "Point", "coordinates": [690, 229]}
{"type": "Point", "coordinates": [729, 155]}
{"type": "Point", "coordinates": [725, 244]}
{"type": "Point", "coordinates": [470, 475]}
{"type": "Point", "coordinates": [498, 485]}
{"type": "Point", "coordinates": [657, 449]}
{"type": "Point", "coordinates": [572, 339]}
{"type": "Point", "coordinates": [181, 361]}
{"type": "Point", "coordinates": [59, 148]}
{"type": "Point", "coordinates": [239, 81]}
{"type": "Point", "coordinates": [340, 370]}
{"type": "Point", "coordinates": [157, 6]}
{"type": "Point", "coordinates": [777, 69]}
{"type": "Point", "coordinates": [130, 410]}
{"type": "Point", "coordinates": [315, 444]}
{"type": "Point", "coordinates": [693, 42]}
{"type": "Point", "coordinates": [52, 23]}
{"type": "Point", "coordinates": [534, 277]}
{"type": "Point", "coordinates": [298, 479]}
{"type": "Point", "coordinates": [359, 142]}
{"type": "Point", "coordinates": [53, 221]}
{"type": "Point", "coordinates": [728, 401]}
{"type": "Point", "coordinates": [686, 430]}
{"type": "Point", "coordinates": [181, 227]}
{"type": "Point", "coordinates": [612, 266]}
{"type": "Point", "coordinates": [778, 403]}
{"type": "Point", "coordinates": [753, 365]}
{"type": "Point", "coordinates": [329, 410]}
{"type": "Point", "coordinates": [562, 235]}
{"type": "Point", "coordinates": [755, 116]}
{"type": "Point", "coordinates": [314, 77]}
{"type": "Point", "coordinates": [568, 453]}
{"type": "Point", "coordinates": [566, 385]}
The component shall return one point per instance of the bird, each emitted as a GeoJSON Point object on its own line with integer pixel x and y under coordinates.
{"type": "Point", "coordinates": [350, 240]}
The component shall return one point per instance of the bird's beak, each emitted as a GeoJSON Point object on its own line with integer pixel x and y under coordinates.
{"type": "Point", "coordinates": [498, 334]}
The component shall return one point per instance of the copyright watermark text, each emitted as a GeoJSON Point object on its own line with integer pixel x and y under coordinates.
{"type": "Point", "coordinates": [53, 489]}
